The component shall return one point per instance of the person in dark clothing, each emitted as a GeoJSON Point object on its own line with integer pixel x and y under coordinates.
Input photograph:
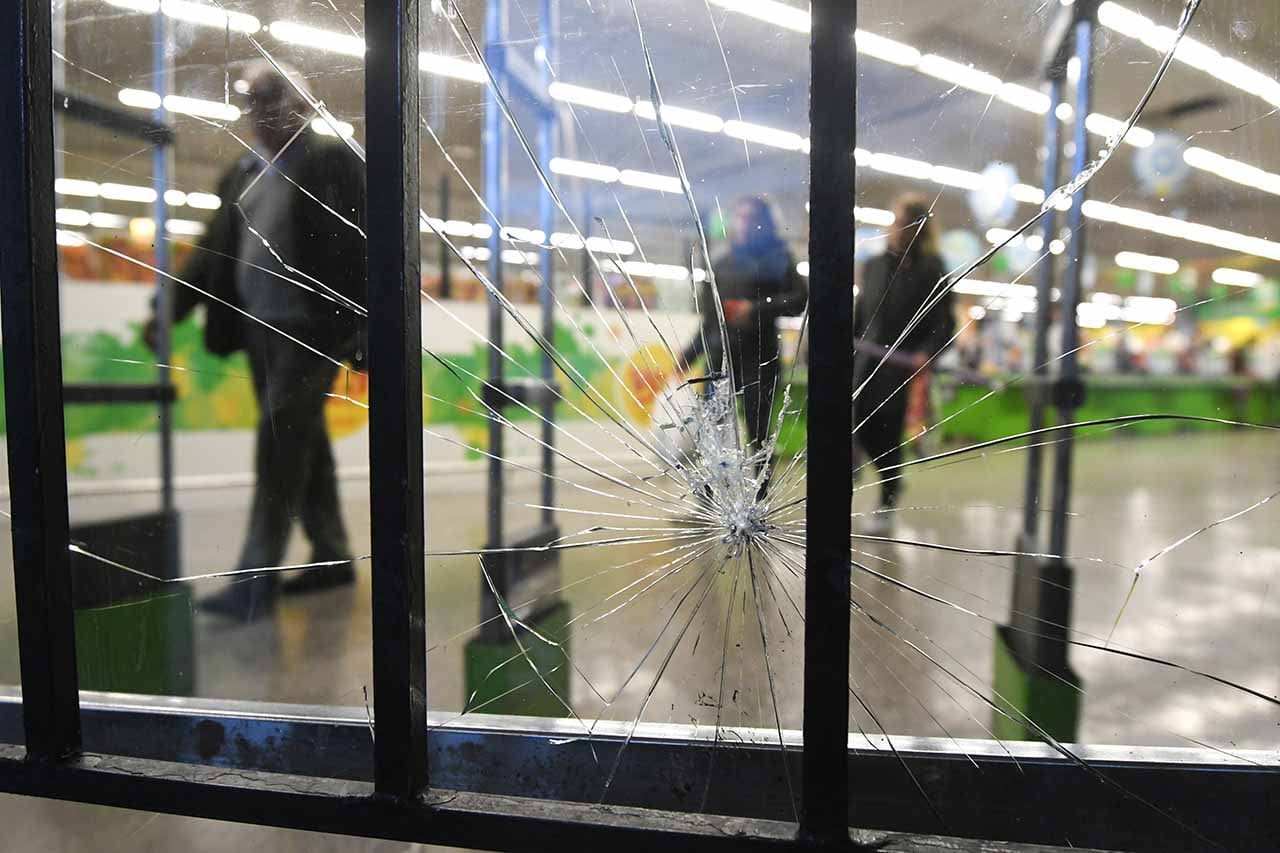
{"type": "Point", "coordinates": [892, 312]}
{"type": "Point", "coordinates": [281, 276]}
{"type": "Point", "coordinates": [757, 282]}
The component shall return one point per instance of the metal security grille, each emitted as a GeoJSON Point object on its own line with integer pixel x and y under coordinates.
{"type": "Point", "coordinates": [311, 772]}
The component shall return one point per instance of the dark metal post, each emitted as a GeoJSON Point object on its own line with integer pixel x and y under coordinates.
{"type": "Point", "coordinates": [395, 398]}
{"type": "Point", "coordinates": [548, 40]}
{"type": "Point", "coordinates": [833, 127]}
{"type": "Point", "coordinates": [33, 385]}
{"type": "Point", "coordinates": [1069, 373]}
{"type": "Point", "coordinates": [1044, 292]}
{"type": "Point", "coordinates": [495, 179]}
{"type": "Point", "coordinates": [446, 255]}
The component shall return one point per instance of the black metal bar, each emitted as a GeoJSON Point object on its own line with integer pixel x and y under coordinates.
{"type": "Point", "coordinates": [446, 254]}
{"type": "Point", "coordinates": [1001, 797]}
{"type": "Point", "coordinates": [33, 385]}
{"type": "Point", "coordinates": [1069, 372]}
{"type": "Point", "coordinates": [446, 817]}
{"type": "Point", "coordinates": [84, 393]}
{"type": "Point", "coordinates": [108, 117]}
{"type": "Point", "coordinates": [395, 398]}
{"type": "Point", "coordinates": [829, 490]}
{"type": "Point", "coordinates": [1044, 293]}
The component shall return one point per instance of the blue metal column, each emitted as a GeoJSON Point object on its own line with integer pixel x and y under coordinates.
{"type": "Point", "coordinates": [548, 41]}
{"type": "Point", "coordinates": [161, 169]}
{"type": "Point", "coordinates": [1069, 370]}
{"type": "Point", "coordinates": [495, 183]}
{"type": "Point", "coordinates": [1040, 349]}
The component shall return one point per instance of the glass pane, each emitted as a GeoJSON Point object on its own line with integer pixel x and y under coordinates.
{"type": "Point", "coordinates": [600, 560]}
{"type": "Point", "coordinates": [235, 567]}
{"type": "Point", "coordinates": [1125, 601]}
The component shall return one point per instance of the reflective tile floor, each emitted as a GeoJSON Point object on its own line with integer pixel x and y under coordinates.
{"type": "Point", "coordinates": [1207, 605]}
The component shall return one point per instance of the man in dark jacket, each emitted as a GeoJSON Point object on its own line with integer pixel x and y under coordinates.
{"type": "Point", "coordinates": [902, 319]}
{"type": "Point", "coordinates": [281, 275]}
{"type": "Point", "coordinates": [757, 282]}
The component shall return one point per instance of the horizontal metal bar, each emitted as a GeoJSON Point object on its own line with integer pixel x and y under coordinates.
{"type": "Point", "coordinates": [455, 818]}
{"type": "Point", "coordinates": [108, 117]}
{"type": "Point", "coordinates": [111, 392]}
{"type": "Point", "coordinates": [665, 766]}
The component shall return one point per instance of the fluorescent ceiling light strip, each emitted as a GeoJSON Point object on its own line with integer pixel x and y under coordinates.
{"type": "Point", "coordinates": [905, 166]}
{"type": "Point", "coordinates": [1147, 263]}
{"type": "Point", "coordinates": [1101, 125]}
{"type": "Point", "coordinates": [202, 14]}
{"type": "Point", "coordinates": [73, 186]}
{"type": "Point", "coordinates": [1237, 278]}
{"type": "Point", "coordinates": [201, 107]}
{"type": "Point", "coordinates": [650, 181]}
{"type": "Point", "coordinates": [127, 192]}
{"type": "Point", "coordinates": [1232, 170]}
{"type": "Point", "coordinates": [950, 71]}
{"type": "Point", "coordinates": [301, 34]}
{"type": "Point", "coordinates": [322, 127]}
{"type": "Point", "coordinates": [769, 11]}
{"type": "Point", "coordinates": [588, 97]}
{"type": "Point", "coordinates": [145, 100]}
{"type": "Point", "coordinates": [1189, 51]}
{"type": "Point", "coordinates": [71, 216]}
{"type": "Point", "coordinates": [764, 135]}
{"type": "Point", "coordinates": [681, 117]}
{"type": "Point", "coordinates": [581, 169]}
{"type": "Point", "coordinates": [885, 49]}
{"type": "Point", "coordinates": [874, 216]}
{"type": "Point", "coordinates": [452, 66]}
{"type": "Point", "coordinates": [210, 16]}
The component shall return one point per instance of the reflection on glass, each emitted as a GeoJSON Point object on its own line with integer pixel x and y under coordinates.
{"type": "Point", "coordinates": [212, 306]}
{"type": "Point", "coordinates": [624, 550]}
{"type": "Point", "coordinates": [614, 226]}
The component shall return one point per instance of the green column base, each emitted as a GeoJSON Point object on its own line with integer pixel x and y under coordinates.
{"type": "Point", "coordinates": [1023, 691]}
{"type": "Point", "coordinates": [141, 646]}
{"type": "Point", "coordinates": [514, 688]}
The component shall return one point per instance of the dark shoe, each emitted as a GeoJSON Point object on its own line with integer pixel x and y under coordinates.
{"type": "Point", "coordinates": [243, 601]}
{"type": "Point", "coordinates": [321, 577]}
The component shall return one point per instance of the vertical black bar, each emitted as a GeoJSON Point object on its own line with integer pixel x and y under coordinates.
{"type": "Point", "coordinates": [833, 127]}
{"type": "Point", "coordinates": [446, 256]}
{"type": "Point", "coordinates": [1069, 373]}
{"type": "Point", "coordinates": [33, 384]}
{"type": "Point", "coordinates": [1044, 292]}
{"type": "Point", "coordinates": [395, 398]}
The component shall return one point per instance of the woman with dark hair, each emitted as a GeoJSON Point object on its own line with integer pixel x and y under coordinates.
{"type": "Point", "coordinates": [901, 322]}
{"type": "Point", "coordinates": [757, 282]}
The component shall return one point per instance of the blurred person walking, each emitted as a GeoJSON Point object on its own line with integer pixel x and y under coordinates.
{"type": "Point", "coordinates": [279, 251]}
{"type": "Point", "coordinates": [757, 281]}
{"type": "Point", "coordinates": [900, 325]}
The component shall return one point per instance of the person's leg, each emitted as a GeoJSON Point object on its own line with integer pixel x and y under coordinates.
{"type": "Point", "coordinates": [883, 442]}
{"type": "Point", "coordinates": [758, 408]}
{"type": "Point", "coordinates": [878, 421]}
{"type": "Point", "coordinates": [322, 519]}
{"type": "Point", "coordinates": [289, 414]}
